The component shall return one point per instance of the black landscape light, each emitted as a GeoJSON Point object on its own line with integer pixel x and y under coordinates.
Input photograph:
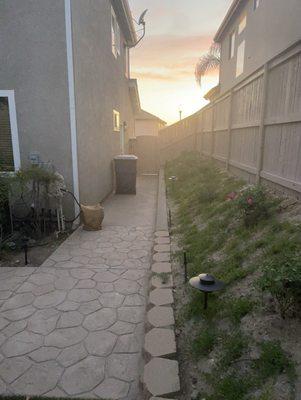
{"type": "Point", "coordinates": [206, 283]}
{"type": "Point", "coordinates": [24, 246]}
{"type": "Point", "coordinates": [173, 180]}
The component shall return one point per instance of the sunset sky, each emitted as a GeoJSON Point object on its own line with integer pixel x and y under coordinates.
{"type": "Point", "coordinates": [178, 32]}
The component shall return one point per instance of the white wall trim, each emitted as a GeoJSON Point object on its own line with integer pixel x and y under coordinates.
{"type": "Point", "coordinates": [72, 107]}
{"type": "Point", "coordinates": [10, 94]}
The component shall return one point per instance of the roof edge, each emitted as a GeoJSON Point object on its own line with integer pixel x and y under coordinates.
{"type": "Point", "coordinates": [234, 6]}
{"type": "Point", "coordinates": [123, 11]}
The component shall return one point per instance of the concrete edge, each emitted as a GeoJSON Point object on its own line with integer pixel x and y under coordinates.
{"type": "Point", "coordinates": [161, 371]}
{"type": "Point", "coordinates": [161, 217]}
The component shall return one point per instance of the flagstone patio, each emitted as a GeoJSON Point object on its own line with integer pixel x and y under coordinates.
{"type": "Point", "coordinates": [75, 325]}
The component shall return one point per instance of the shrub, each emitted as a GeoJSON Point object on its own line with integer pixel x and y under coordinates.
{"type": "Point", "coordinates": [282, 278]}
{"type": "Point", "coordinates": [253, 205]}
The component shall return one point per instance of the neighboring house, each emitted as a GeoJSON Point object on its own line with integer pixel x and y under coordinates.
{"type": "Point", "coordinates": [147, 124]}
{"type": "Point", "coordinates": [65, 88]}
{"type": "Point", "coordinates": [252, 33]}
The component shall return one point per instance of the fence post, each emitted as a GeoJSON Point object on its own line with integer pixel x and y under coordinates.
{"type": "Point", "coordinates": [260, 150]}
{"type": "Point", "coordinates": [202, 134]}
{"type": "Point", "coordinates": [229, 130]}
{"type": "Point", "coordinates": [212, 132]}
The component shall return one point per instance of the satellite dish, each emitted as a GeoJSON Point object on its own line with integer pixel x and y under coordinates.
{"type": "Point", "coordinates": [141, 19]}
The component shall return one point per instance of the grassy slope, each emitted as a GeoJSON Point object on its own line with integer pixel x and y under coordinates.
{"type": "Point", "coordinates": [221, 239]}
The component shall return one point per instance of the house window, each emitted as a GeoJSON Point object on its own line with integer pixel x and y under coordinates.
{"type": "Point", "coordinates": [116, 121]}
{"type": "Point", "coordinates": [9, 143]}
{"type": "Point", "coordinates": [240, 58]}
{"type": "Point", "coordinates": [232, 45]}
{"type": "Point", "coordinates": [116, 39]}
{"type": "Point", "coordinates": [242, 24]}
{"type": "Point", "coordinates": [256, 4]}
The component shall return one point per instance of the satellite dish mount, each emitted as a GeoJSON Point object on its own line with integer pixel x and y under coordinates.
{"type": "Point", "coordinates": [141, 22]}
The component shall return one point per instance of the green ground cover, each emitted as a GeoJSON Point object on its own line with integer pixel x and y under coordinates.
{"type": "Point", "coordinates": [237, 233]}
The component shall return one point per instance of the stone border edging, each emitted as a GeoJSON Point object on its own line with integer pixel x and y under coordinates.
{"type": "Point", "coordinates": [161, 373]}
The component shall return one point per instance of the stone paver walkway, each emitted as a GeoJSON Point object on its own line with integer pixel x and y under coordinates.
{"type": "Point", "coordinates": [75, 325]}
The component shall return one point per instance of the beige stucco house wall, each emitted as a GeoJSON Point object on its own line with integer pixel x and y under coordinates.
{"type": "Point", "coordinates": [66, 76]}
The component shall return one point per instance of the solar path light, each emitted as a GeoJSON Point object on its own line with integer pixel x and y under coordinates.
{"type": "Point", "coordinates": [206, 283]}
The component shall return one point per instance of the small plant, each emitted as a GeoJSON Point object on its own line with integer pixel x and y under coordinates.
{"type": "Point", "coordinates": [205, 342]}
{"type": "Point", "coordinates": [231, 387]}
{"type": "Point", "coordinates": [273, 361]}
{"type": "Point", "coordinates": [253, 204]}
{"type": "Point", "coordinates": [282, 278]}
{"type": "Point", "coordinates": [236, 309]}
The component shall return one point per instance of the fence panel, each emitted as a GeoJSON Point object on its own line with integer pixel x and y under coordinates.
{"type": "Point", "coordinates": [260, 140]}
{"type": "Point", "coordinates": [247, 103]}
{"type": "Point", "coordinates": [284, 88]}
{"type": "Point", "coordinates": [220, 141]}
{"type": "Point", "coordinates": [244, 145]}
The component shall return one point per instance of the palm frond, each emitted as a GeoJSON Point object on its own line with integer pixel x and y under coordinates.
{"type": "Point", "coordinates": [208, 62]}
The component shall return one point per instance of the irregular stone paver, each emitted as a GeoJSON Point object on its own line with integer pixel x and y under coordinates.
{"type": "Point", "coordinates": [124, 366]}
{"type": "Point", "coordinates": [162, 248]}
{"type": "Point", "coordinates": [83, 376]}
{"type": "Point", "coordinates": [162, 234]}
{"type": "Point", "coordinates": [162, 240]}
{"type": "Point", "coordinates": [161, 267]}
{"type": "Point", "coordinates": [161, 297]}
{"type": "Point", "coordinates": [74, 326]}
{"type": "Point", "coordinates": [160, 283]}
{"type": "Point", "coordinates": [100, 343]}
{"type": "Point", "coordinates": [160, 342]}
{"type": "Point", "coordinates": [39, 379]}
{"type": "Point", "coordinates": [161, 316]}
{"type": "Point", "coordinates": [161, 257]}
{"type": "Point", "coordinates": [161, 377]}
{"type": "Point", "coordinates": [101, 319]}
{"type": "Point", "coordinates": [112, 389]}
{"type": "Point", "coordinates": [158, 398]}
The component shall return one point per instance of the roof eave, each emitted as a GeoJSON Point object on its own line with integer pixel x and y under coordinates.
{"type": "Point", "coordinates": [123, 11]}
{"type": "Point", "coordinates": [233, 8]}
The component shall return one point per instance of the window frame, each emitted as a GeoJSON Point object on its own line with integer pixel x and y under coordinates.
{"type": "Point", "coordinates": [10, 95]}
{"type": "Point", "coordinates": [256, 4]}
{"type": "Point", "coordinates": [237, 73]}
{"type": "Point", "coordinates": [232, 44]}
{"type": "Point", "coordinates": [116, 123]}
{"type": "Point", "coordinates": [240, 28]}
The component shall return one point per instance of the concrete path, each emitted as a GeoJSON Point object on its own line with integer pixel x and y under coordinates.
{"type": "Point", "coordinates": [75, 325]}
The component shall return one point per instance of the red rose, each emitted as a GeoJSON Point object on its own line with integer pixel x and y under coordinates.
{"type": "Point", "coordinates": [250, 201]}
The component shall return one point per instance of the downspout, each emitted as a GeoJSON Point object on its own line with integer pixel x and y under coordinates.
{"type": "Point", "coordinates": [72, 108]}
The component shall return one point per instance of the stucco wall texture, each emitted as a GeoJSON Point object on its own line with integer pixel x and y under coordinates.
{"type": "Point", "coordinates": [100, 87]}
{"type": "Point", "coordinates": [33, 62]}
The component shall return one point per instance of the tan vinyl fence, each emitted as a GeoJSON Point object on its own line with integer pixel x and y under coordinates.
{"type": "Point", "coordinates": [254, 130]}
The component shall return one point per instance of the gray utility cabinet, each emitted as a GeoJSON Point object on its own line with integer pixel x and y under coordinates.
{"type": "Point", "coordinates": [126, 174]}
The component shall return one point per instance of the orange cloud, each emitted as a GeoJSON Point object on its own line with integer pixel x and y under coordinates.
{"type": "Point", "coordinates": [168, 57]}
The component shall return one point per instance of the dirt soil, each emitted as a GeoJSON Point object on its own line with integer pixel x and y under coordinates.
{"type": "Point", "coordinates": [37, 253]}
{"type": "Point", "coordinates": [264, 323]}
